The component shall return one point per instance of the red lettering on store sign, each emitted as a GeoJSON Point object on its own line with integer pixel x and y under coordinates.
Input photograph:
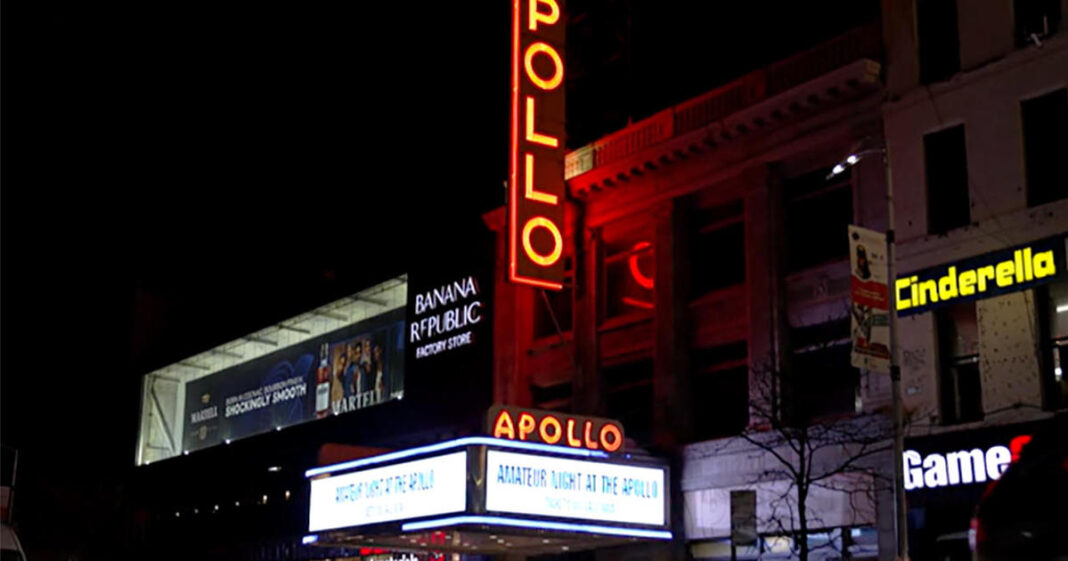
{"type": "Point", "coordinates": [536, 178]}
{"type": "Point", "coordinates": [1017, 444]}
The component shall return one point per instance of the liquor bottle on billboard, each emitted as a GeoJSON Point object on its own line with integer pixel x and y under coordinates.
{"type": "Point", "coordinates": [322, 386]}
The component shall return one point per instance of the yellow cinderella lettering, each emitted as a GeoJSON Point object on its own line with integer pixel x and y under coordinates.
{"type": "Point", "coordinates": [947, 285]}
{"type": "Point", "coordinates": [1004, 273]}
{"type": "Point", "coordinates": [967, 283]}
{"type": "Point", "coordinates": [1045, 265]}
{"type": "Point", "coordinates": [985, 274]}
{"type": "Point", "coordinates": [899, 285]}
{"type": "Point", "coordinates": [928, 287]}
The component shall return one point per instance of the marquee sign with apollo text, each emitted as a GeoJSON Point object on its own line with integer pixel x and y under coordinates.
{"type": "Point", "coordinates": [984, 276]}
{"type": "Point", "coordinates": [550, 427]}
{"type": "Point", "coordinates": [536, 179]}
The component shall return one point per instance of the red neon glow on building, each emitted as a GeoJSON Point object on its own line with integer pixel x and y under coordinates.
{"type": "Point", "coordinates": [639, 277]}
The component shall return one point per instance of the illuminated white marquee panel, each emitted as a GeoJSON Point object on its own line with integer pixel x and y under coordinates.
{"type": "Point", "coordinates": [557, 487]}
{"type": "Point", "coordinates": [426, 487]}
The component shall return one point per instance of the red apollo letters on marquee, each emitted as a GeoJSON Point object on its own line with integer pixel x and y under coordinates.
{"type": "Point", "coordinates": [549, 427]}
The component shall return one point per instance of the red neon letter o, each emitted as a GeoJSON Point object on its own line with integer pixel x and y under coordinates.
{"type": "Point", "coordinates": [557, 432]}
{"type": "Point", "coordinates": [558, 241]}
{"type": "Point", "coordinates": [617, 437]}
{"type": "Point", "coordinates": [558, 66]}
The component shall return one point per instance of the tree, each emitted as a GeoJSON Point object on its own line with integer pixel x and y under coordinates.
{"type": "Point", "coordinates": [812, 454]}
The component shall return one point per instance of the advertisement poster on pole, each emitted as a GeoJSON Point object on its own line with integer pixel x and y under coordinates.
{"type": "Point", "coordinates": [869, 305]}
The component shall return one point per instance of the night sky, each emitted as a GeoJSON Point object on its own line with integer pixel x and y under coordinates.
{"type": "Point", "coordinates": [178, 175]}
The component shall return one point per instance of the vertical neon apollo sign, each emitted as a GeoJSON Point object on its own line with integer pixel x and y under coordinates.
{"type": "Point", "coordinates": [536, 179]}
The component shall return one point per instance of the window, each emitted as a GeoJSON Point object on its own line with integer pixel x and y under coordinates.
{"type": "Point", "coordinates": [960, 393]}
{"type": "Point", "coordinates": [1053, 324]}
{"type": "Point", "coordinates": [948, 202]}
{"type": "Point", "coordinates": [939, 40]}
{"type": "Point", "coordinates": [558, 306]}
{"type": "Point", "coordinates": [719, 390]}
{"type": "Point", "coordinates": [818, 214]}
{"type": "Point", "coordinates": [824, 381]}
{"type": "Point", "coordinates": [1035, 19]}
{"type": "Point", "coordinates": [1045, 137]}
{"type": "Point", "coordinates": [629, 397]}
{"type": "Point", "coordinates": [629, 273]}
{"type": "Point", "coordinates": [718, 258]}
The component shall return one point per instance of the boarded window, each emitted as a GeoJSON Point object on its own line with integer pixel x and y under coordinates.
{"type": "Point", "coordinates": [818, 214]}
{"type": "Point", "coordinates": [960, 392]}
{"type": "Point", "coordinates": [718, 255]}
{"type": "Point", "coordinates": [719, 391]}
{"type": "Point", "coordinates": [939, 39]}
{"type": "Point", "coordinates": [552, 311]}
{"type": "Point", "coordinates": [948, 202]}
{"type": "Point", "coordinates": [1045, 139]}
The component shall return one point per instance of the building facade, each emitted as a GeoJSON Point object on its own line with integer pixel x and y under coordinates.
{"type": "Point", "coordinates": [706, 307]}
{"type": "Point", "coordinates": [975, 123]}
{"type": "Point", "coordinates": [707, 258]}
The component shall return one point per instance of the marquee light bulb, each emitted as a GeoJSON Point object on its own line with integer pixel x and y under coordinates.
{"type": "Point", "coordinates": [852, 159]}
{"type": "Point", "coordinates": [838, 168]}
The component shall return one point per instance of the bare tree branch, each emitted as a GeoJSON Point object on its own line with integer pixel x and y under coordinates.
{"type": "Point", "coordinates": [839, 455]}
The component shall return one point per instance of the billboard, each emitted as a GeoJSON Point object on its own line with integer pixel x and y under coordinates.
{"type": "Point", "coordinates": [338, 372]}
{"type": "Point", "coordinates": [424, 336]}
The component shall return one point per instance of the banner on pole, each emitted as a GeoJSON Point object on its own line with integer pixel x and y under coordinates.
{"type": "Point", "coordinates": [869, 304]}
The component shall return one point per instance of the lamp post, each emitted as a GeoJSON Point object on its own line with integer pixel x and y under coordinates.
{"type": "Point", "coordinates": [900, 509]}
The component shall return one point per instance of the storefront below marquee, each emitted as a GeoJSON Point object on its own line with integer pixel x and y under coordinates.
{"type": "Point", "coordinates": [488, 496]}
{"type": "Point", "coordinates": [844, 509]}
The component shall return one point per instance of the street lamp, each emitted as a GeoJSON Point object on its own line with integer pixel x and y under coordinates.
{"type": "Point", "coordinates": [900, 512]}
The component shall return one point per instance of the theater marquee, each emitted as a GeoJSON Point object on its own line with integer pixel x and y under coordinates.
{"type": "Point", "coordinates": [536, 178]}
{"type": "Point", "coordinates": [486, 495]}
{"type": "Point", "coordinates": [538, 485]}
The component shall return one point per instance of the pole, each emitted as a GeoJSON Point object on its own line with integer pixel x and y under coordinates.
{"type": "Point", "coordinates": [900, 508]}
